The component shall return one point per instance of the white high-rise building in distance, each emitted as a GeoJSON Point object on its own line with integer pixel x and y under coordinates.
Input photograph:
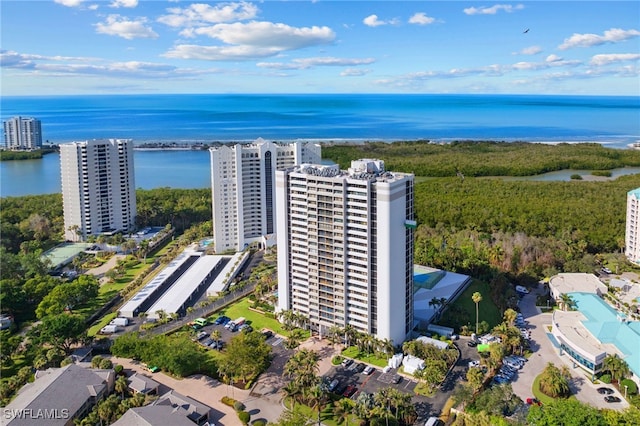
{"type": "Point", "coordinates": [345, 247]}
{"type": "Point", "coordinates": [243, 188]}
{"type": "Point", "coordinates": [632, 229]}
{"type": "Point", "coordinates": [98, 187]}
{"type": "Point", "coordinates": [22, 133]}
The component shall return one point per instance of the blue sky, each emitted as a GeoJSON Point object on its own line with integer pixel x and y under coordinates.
{"type": "Point", "coordinates": [137, 46]}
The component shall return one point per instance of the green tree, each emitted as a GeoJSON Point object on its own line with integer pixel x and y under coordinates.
{"type": "Point", "coordinates": [553, 382]}
{"type": "Point", "coordinates": [477, 298]}
{"type": "Point", "coordinates": [342, 410]}
{"type": "Point", "coordinates": [121, 386]}
{"type": "Point", "coordinates": [63, 330]}
{"type": "Point", "coordinates": [566, 412]}
{"type": "Point", "coordinates": [618, 367]}
{"type": "Point", "coordinates": [475, 377]}
{"type": "Point", "coordinates": [247, 355]}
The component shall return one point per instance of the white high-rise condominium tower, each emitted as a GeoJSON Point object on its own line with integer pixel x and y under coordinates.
{"type": "Point", "coordinates": [22, 133]}
{"type": "Point", "coordinates": [632, 231]}
{"type": "Point", "coordinates": [345, 247]}
{"type": "Point", "coordinates": [98, 187]}
{"type": "Point", "coordinates": [242, 188]}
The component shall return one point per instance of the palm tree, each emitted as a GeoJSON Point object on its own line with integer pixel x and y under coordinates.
{"type": "Point", "coordinates": [616, 366]}
{"type": "Point", "coordinates": [477, 298]}
{"type": "Point", "coordinates": [567, 302]}
{"type": "Point", "coordinates": [350, 334]}
{"type": "Point", "coordinates": [334, 334]}
{"type": "Point", "coordinates": [121, 386]}
{"type": "Point", "coordinates": [510, 316]}
{"type": "Point", "coordinates": [318, 399]}
{"type": "Point", "coordinates": [342, 409]}
{"type": "Point", "coordinates": [553, 383]}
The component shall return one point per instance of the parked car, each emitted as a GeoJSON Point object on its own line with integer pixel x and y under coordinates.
{"type": "Point", "coordinates": [368, 370]}
{"type": "Point", "coordinates": [349, 391]}
{"type": "Point", "coordinates": [533, 401]}
{"type": "Point", "coordinates": [606, 270]}
{"type": "Point", "coordinates": [347, 362]}
{"type": "Point", "coordinates": [605, 391]}
{"type": "Point", "coordinates": [267, 333]}
{"type": "Point", "coordinates": [396, 379]}
{"type": "Point", "coordinates": [333, 385]}
{"type": "Point", "coordinates": [611, 398]}
{"type": "Point", "coordinates": [472, 343]}
{"type": "Point", "coordinates": [202, 335]}
{"type": "Point", "coordinates": [222, 320]}
{"type": "Point", "coordinates": [360, 367]}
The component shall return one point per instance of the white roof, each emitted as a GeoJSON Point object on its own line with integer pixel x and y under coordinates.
{"type": "Point", "coordinates": [173, 299]}
{"type": "Point", "coordinates": [576, 282]}
{"type": "Point", "coordinates": [129, 308]}
{"type": "Point", "coordinates": [219, 283]}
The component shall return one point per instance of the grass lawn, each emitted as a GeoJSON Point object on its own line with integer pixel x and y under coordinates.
{"type": "Point", "coordinates": [257, 320]}
{"type": "Point", "coordinates": [353, 352]}
{"type": "Point", "coordinates": [535, 389]}
{"type": "Point", "coordinates": [487, 310]}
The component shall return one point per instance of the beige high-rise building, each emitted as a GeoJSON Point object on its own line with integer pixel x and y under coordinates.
{"type": "Point", "coordinates": [242, 188]}
{"type": "Point", "coordinates": [345, 247]}
{"type": "Point", "coordinates": [98, 187]}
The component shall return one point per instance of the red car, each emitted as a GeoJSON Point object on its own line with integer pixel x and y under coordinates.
{"type": "Point", "coordinates": [349, 391]}
{"type": "Point", "coordinates": [532, 401]}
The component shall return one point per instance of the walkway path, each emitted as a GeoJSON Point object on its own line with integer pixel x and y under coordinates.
{"type": "Point", "coordinates": [101, 270]}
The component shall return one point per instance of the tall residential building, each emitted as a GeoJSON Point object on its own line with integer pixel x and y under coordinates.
{"type": "Point", "coordinates": [345, 247]}
{"type": "Point", "coordinates": [242, 188]}
{"type": "Point", "coordinates": [632, 230]}
{"type": "Point", "coordinates": [98, 187]}
{"type": "Point", "coordinates": [22, 133]}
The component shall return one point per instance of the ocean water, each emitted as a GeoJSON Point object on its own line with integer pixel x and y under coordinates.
{"type": "Point", "coordinates": [611, 121]}
{"type": "Point", "coordinates": [608, 120]}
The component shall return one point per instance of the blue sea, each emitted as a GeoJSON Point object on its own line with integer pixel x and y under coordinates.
{"type": "Point", "coordinates": [185, 118]}
{"type": "Point", "coordinates": [613, 121]}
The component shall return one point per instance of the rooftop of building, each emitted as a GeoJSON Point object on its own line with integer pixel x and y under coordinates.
{"type": "Point", "coordinates": [430, 284]}
{"type": "Point", "coordinates": [68, 388]}
{"type": "Point", "coordinates": [576, 282]}
{"type": "Point", "coordinates": [597, 327]}
{"type": "Point", "coordinates": [634, 192]}
{"type": "Point", "coordinates": [364, 169]}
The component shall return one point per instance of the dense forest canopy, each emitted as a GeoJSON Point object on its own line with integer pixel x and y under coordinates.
{"type": "Point", "coordinates": [473, 158]}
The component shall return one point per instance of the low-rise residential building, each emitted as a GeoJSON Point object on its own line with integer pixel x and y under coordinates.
{"type": "Point", "coordinates": [58, 396]}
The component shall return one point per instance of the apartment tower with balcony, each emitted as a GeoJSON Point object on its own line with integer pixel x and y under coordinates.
{"type": "Point", "coordinates": [22, 133]}
{"type": "Point", "coordinates": [242, 188]}
{"type": "Point", "coordinates": [345, 247]}
{"type": "Point", "coordinates": [632, 229]}
{"type": "Point", "coordinates": [98, 187]}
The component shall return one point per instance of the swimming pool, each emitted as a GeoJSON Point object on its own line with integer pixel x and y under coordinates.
{"type": "Point", "coordinates": [609, 326]}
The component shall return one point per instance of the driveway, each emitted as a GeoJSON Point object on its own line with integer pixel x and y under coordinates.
{"type": "Point", "coordinates": [544, 352]}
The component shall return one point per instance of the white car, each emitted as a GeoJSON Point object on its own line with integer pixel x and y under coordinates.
{"type": "Point", "coordinates": [368, 370]}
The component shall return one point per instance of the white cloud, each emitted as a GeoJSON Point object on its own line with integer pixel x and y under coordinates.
{"type": "Point", "coordinates": [123, 27]}
{"type": "Point", "coordinates": [220, 53]}
{"type": "Point", "coordinates": [531, 50]}
{"type": "Point", "coordinates": [124, 3]}
{"type": "Point", "coordinates": [373, 21]}
{"type": "Point", "coordinates": [70, 66]}
{"type": "Point", "coordinates": [306, 63]}
{"type": "Point", "coordinates": [69, 3]}
{"type": "Point", "coordinates": [492, 10]}
{"type": "Point", "coordinates": [553, 58]}
{"type": "Point", "coordinates": [354, 72]}
{"type": "Point", "coordinates": [202, 14]}
{"type": "Point", "coordinates": [605, 59]}
{"type": "Point", "coordinates": [421, 18]}
{"type": "Point", "coordinates": [614, 35]}
{"type": "Point", "coordinates": [251, 40]}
